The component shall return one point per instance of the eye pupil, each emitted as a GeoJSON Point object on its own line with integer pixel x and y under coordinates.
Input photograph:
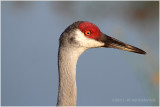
{"type": "Point", "coordinates": [88, 33]}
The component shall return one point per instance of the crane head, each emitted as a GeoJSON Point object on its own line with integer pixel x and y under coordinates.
{"type": "Point", "coordinates": [88, 35]}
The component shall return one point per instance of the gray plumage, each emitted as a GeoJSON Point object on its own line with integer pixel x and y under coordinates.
{"type": "Point", "coordinates": [72, 43]}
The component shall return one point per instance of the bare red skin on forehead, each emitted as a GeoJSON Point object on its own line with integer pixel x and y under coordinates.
{"type": "Point", "coordinates": [95, 32]}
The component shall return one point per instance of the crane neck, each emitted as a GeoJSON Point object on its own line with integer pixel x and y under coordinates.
{"type": "Point", "coordinates": [67, 60]}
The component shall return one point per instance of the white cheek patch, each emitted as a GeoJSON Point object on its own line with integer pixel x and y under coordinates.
{"type": "Point", "coordinates": [86, 42]}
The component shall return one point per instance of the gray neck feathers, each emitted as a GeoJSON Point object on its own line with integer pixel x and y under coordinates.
{"type": "Point", "coordinates": [67, 60]}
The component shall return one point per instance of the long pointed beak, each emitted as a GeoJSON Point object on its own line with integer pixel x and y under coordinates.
{"type": "Point", "coordinates": [114, 43]}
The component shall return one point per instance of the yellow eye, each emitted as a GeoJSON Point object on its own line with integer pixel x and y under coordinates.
{"type": "Point", "coordinates": [87, 33]}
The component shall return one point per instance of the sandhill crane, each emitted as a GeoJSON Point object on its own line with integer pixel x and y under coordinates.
{"type": "Point", "coordinates": [76, 39]}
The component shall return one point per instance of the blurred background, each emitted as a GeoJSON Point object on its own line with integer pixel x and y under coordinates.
{"type": "Point", "coordinates": [105, 77]}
